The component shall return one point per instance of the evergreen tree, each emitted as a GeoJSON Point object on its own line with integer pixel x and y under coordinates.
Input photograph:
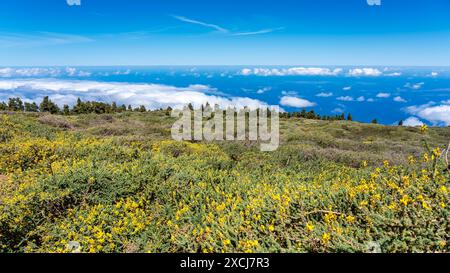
{"type": "Point", "coordinates": [15, 104]}
{"type": "Point", "coordinates": [31, 107]}
{"type": "Point", "coordinates": [349, 117]}
{"type": "Point", "coordinates": [78, 108]}
{"type": "Point", "coordinates": [168, 111]}
{"type": "Point", "coordinates": [375, 121]}
{"type": "Point", "coordinates": [400, 123]}
{"type": "Point", "coordinates": [66, 110]}
{"type": "Point", "coordinates": [48, 106]}
{"type": "Point", "coordinates": [114, 107]}
{"type": "Point", "coordinates": [142, 109]}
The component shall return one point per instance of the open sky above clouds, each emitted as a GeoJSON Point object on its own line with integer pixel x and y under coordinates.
{"type": "Point", "coordinates": [284, 32]}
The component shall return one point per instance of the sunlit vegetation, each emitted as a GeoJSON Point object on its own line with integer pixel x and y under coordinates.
{"type": "Point", "coordinates": [117, 183]}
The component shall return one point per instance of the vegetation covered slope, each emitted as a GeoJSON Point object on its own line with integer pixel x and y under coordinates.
{"type": "Point", "coordinates": [117, 183]}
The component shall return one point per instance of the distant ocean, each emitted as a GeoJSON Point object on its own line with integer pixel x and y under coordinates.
{"type": "Point", "coordinates": [388, 94]}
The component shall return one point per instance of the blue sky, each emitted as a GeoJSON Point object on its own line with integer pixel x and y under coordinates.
{"type": "Point", "coordinates": [201, 32]}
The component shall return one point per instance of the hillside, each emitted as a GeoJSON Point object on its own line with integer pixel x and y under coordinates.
{"type": "Point", "coordinates": [117, 183]}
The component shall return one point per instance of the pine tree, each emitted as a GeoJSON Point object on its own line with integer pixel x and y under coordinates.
{"type": "Point", "coordinates": [48, 106]}
{"type": "Point", "coordinates": [114, 107]}
{"type": "Point", "coordinates": [168, 111]}
{"type": "Point", "coordinates": [31, 107]}
{"type": "Point", "coordinates": [66, 110]}
{"type": "Point", "coordinates": [15, 104]}
{"type": "Point", "coordinates": [142, 109]}
{"type": "Point", "coordinates": [349, 117]}
{"type": "Point", "coordinates": [3, 106]}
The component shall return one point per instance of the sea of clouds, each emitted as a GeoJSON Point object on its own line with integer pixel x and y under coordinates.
{"type": "Point", "coordinates": [153, 96]}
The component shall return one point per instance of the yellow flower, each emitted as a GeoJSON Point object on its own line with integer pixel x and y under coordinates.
{"type": "Point", "coordinates": [350, 219]}
{"type": "Point", "coordinates": [405, 200]}
{"type": "Point", "coordinates": [309, 227]}
{"type": "Point", "coordinates": [363, 203]}
{"type": "Point", "coordinates": [425, 205]}
{"type": "Point", "coordinates": [226, 242]}
{"type": "Point", "coordinates": [326, 238]}
{"type": "Point", "coordinates": [437, 152]}
{"type": "Point", "coordinates": [423, 129]}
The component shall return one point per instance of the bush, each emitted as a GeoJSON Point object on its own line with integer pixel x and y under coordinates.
{"type": "Point", "coordinates": [76, 193]}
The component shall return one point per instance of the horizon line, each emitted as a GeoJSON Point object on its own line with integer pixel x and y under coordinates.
{"type": "Point", "coordinates": [231, 65]}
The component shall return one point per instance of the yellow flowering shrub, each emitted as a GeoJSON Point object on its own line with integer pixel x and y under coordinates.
{"type": "Point", "coordinates": [61, 191]}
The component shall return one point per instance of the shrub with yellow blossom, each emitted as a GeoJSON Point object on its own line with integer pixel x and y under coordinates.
{"type": "Point", "coordinates": [106, 194]}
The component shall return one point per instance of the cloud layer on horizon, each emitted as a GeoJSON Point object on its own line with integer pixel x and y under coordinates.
{"type": "Point", "coordinates": [315, 71]}
{"type": "Point", "coordinates": [9, 72]}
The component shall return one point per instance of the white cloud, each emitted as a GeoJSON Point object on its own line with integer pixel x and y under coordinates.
{"type": "Point", "coordinates": [361, 99]}
{"type": "Point", "coordinates": [383, 95]}
{"type": "Point", "coordinates": [196, 22]}
{"type": "Point", "coordinates": [153, 96]}
{"type": "Point", "coordinates": [119, 72]}
{"type": "Point", "coordinates": [246, 71]}
{"type": "Point", "coordinates": [347, 88]}
{"type": "Point", "coordinates": [434, 74]}
{"type": "Point", "coordinates": [412, 122]}
{"type": "Point", "coordinates": [345, 98]}
{"type": "Point", "coordinates": [74, 2]}
{"type": "Point", "coordinates": [293, 71]}
{"type": "Point", "coordinates": [262, 31]}
{"type": "Point", "coordinates": [295, 102]}
{"type": "Point", "coordinates": [415, 86]}
{"type": "Point", "coordinates": [394, 74]}
{"type": "Point", "coordinates": [399, 99]}
{"type": "Point", "coordinates": [446, 101]}
{"type": "Point", "coordinates": [370, 100]}
{"type": "Point", "coordinates": [367, 72]}
{"type": "Point", "coordinates": [436, 114]}
{"type": "Point", "coordinates": [263, 90]}
{"type": "Point", "coordinates": [289, 93]}
{"type": "Point", "coordinates": [324, 94]}
{"type": "Point", "coordinates": [42, 72]}
{"type": "Point", "coordinates": [37, 39]}
{"type": "Point", "coordinates": [338, 110]}
{"type": "Point", "coordinates": [224, 30]}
